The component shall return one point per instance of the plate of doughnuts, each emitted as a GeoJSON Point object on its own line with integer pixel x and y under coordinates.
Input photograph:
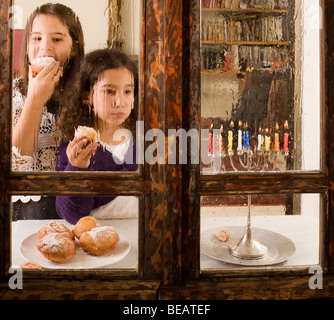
{"type": "Point", "coordinates": [89, 245]}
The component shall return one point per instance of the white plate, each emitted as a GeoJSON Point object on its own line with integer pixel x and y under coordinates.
{"type": "Point", "coordinates": [81, 260]}
{"type": "Point", "coordinates": [279, 247]}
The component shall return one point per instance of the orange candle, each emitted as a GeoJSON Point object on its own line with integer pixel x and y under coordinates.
{"type": "Point", "coordinates": [221, 143]}
{"type": "Point", "coordinates": [276, 145]}
{"type": "Point", "coordinates": [211, 139]}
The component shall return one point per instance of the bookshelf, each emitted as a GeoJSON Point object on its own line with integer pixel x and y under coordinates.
{"type": "Point", "coordinates": [247, 62]}
{"type": "Point", "coordinates": [247, 43]}
{"type": "Point", "coordinates": [246, 11]}
{"type": "Point", "coordinates": [240, 35]}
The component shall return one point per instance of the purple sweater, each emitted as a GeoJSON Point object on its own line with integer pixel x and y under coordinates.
{"type": "Point", "coordinates": [72, 208]}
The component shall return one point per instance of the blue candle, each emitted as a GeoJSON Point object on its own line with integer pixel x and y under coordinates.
{"type": "Point", "coordinates": [246, 139]}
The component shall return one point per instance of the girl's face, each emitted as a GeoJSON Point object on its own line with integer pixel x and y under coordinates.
{"type": "Point", "coordinates": [49, 37]}
{"type": "Point", "coordinates": [112, 96]}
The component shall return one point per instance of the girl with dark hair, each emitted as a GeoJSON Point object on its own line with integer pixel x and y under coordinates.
{"type": "Point", "coordinates": [52, 31]}
{"type": "Point", "coordinates": [103, 97]}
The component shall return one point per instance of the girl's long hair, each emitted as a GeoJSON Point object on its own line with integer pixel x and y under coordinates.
{"type": "Point", "coordinates": [76, 109]}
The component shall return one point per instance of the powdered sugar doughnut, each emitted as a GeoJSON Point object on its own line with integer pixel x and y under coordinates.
{"type": "Point", "coordinates": [55, 227]}
{"type": "Point", "coordinates": [85, 224]}
{"type": "Point", "coordinates": [87, 133]}
{"type": "Point", "coordinates": [99, 241]}
{"type": "Point", "coordinates": [56, 247]}
{"type": "Point", "coordinates": [38, 64]}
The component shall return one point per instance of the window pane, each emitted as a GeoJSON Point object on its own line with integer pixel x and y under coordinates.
{"type": "Point", "coordinates": [99, 248]}
{"type": "Point", "coordinates": [284, 230]}
{"type": "Point", "coordinates": [260, 85]}
{"type": "Point", "coordinates": [64, 96]}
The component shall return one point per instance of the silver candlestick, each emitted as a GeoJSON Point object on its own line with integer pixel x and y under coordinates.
{"type": "Point", "coordinates": [247, 247]}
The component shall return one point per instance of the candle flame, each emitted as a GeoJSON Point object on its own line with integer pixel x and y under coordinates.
{"type": "Point", "coordinates": [232, 124]}
{"type": "Point", "coordinates": [240, 123]}
{"type": "Point", "coordinates": [221, 128]}
{"type": "Point", "coordinates": [267, 130]}
{"type": "Point", "coordinates": [277, 126]}
{"type": "Point", "coordinates": [245, 125]}
{"type": "Point", "coordinates": [286, 125]}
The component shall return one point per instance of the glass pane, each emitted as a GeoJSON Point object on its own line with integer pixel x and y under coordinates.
{"type": "Point", "coordinates": [55, 92]}
{"type": "Point", "coordinates": [260, 230]}
{"type": "Point", "coordinates": [260, 85]}
{"type": "Point", "coordinates": [92, 244]}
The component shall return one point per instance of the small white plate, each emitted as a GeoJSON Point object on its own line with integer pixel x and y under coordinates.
{"type": "Point", "coordinates": [81, 260]}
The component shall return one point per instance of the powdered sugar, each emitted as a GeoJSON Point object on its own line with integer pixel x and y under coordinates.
{"type": "Point", "coordinates": [100, 232]}
{"type": "Point", "coordinates": [55, 226]}
{"type": "Point", "coordinates": [43, 61]}
{"type": "Point", "coordinates": [52, 242]}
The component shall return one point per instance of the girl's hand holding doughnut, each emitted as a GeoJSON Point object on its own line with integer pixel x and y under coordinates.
{"type": "Point", "coordinates": [42, 85]}
{"type": "Point", "coordinates": [79, 152]}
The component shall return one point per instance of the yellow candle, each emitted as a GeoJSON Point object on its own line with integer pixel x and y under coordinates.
{"type": "Point", "coordinates": [230, 137]}
{"type": "Point", "coordinates": [230, 140]}
{"type": "Point", "coordinates": [267, 143]}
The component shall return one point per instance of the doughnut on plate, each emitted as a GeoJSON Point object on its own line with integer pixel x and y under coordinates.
{"type": "Point", "coordinates": [81, 260]}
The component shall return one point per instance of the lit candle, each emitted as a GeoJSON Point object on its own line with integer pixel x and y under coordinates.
{"type": "Point", "coordinates": [246, 136]}
{"type": "Point", "coordinates": [230, 137]}
{"type": "Point", "coordinates": [276, 145]}
{"type": "Point", "coordinates": [259, 140]}
{"type": "Point", "coordinates": [221, 143]}
{"type": "Point", "coordinates": [286, 137]}
{"type": "Point", "coordinates": [211, 139]}
{"type": "Point", "coordinates": [267, 141]}
{"type": "Point", "coordinates": [240, 136]}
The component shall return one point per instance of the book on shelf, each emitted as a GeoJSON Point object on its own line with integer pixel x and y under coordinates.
{"type": "Point", "coordinates": [264, 29]}
{"type": "Point", "coordinates": [246, 4]}
{"type": "Point", "coordinates": [240, 58]}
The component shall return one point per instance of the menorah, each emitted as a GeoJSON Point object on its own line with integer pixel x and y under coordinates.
{"type": "Point", "coordinates": [255, 160]}
{"type": "Point", "coordinates": [265, 153]}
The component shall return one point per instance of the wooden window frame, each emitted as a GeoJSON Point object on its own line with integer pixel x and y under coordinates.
{"type": "Point", "coordinates": [169, 194]}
